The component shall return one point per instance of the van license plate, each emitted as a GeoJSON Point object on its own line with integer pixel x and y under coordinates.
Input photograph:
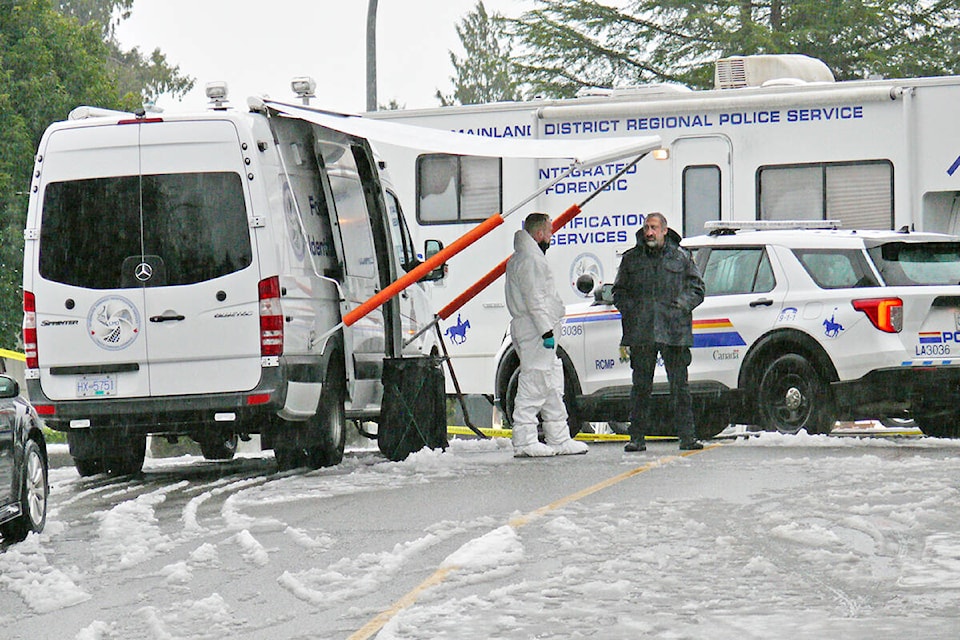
{"type": "Point", "coordinates": [88, 386]}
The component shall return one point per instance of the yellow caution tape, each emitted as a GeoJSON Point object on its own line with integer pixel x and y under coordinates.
{"type": "Point", "coordinates": [13, 355]}
{"type": "Point", "coordinates": [585, 437]}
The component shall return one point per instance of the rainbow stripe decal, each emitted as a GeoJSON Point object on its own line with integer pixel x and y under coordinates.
{"type": "Point", "coordinates": [930, 337]}
{"type": "Point", "coordinates": [715, 332]}
{"type": "Point", "coordinates": [591, 316]}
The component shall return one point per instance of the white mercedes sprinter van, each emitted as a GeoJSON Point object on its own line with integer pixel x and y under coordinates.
{"type": "Point", "coordinates": [182, 274]}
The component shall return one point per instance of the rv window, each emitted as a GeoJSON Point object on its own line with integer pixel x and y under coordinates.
{"type": "Point", "coordinates": [837, 268]}
{"type": "Point", "coordinates": [452, 189]}
{"type": "Point", "coordinates": [194, 228]}
{"type": "Point", "coordinates": [732, 271]}
{"type": "Point", "coordinates": [701, 198]}
{"type": "Point", "coordinates": [858, 194]}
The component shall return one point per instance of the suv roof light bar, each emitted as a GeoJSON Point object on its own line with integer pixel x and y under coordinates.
{"type": "Point", "coordinates": [724, 227]}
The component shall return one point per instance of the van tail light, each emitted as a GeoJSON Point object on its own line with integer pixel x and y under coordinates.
{"type": "Point", "coordinates": [271, 317]}
{"type": "Point", "coordinates": [886, 314]}
{"type": "Point", "coordinates": [30, 330]}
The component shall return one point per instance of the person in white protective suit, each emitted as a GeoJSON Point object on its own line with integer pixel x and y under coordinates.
{"type": "Point", "coordinates": [536, 311]}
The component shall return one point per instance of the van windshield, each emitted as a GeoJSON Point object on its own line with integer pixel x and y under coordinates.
{"type": "Point", "coordinates": [189, 227]}
{"type": "Point", "coordinates": [918, 263]}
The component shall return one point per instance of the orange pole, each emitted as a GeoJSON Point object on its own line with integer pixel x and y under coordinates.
{"type": "Point", "coordinates": [499, 270]}
{"type": "Point", "coordinates": [424, 268]}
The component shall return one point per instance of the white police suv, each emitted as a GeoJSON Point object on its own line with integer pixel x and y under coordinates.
{"type": "Point", "coordinates": [799, 328]}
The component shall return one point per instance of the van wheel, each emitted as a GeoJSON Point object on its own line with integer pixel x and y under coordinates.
{"type": "Point", "coordinates": [330, 421]}
{"type": "Point", "coordinates": [222, 446]}
{"type": "Point", "coordinates": [574, 422]}
{"type": "Point", "coordinates": [130, 461]}
{"type": "Point", "coordinates": [792, 396]}
{"type": "Point", "coordinates": [34, 489]}
{"type": "Point", "coordinates": [319, 441]}
{"type": "Point", "coordinates": [88, 466]}
{"type": "Point", "coordinates": [89, 450]}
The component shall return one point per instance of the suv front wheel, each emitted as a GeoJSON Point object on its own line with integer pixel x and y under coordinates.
{"type": "Point", "coordinates": [793, 396]}
{"type": "Point", "coordinates": [570, 388]}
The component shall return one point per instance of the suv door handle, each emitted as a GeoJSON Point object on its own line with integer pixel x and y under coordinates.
{"type": "Point", "coordinates": [165, 318]}
{"type": "Point", "coordinates": [762, 302]}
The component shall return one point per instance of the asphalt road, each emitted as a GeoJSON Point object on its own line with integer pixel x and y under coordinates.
{"type": "Point", "coordinates": [775, 537]}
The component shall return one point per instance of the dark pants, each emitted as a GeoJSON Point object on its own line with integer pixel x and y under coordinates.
{"type": "Point", "coordinates": [643, 361]}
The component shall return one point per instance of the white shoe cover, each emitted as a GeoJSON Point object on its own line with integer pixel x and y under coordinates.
{"type": "Point", "coordinates": [570, 448]}
{"type": "Point", "coordinates": [535, 450]}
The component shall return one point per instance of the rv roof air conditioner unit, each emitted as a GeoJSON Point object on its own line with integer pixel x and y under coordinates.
{"type": "Point", "coordinates": [739, 72]}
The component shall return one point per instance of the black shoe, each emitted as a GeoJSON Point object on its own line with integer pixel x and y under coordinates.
{"type": "Point", "coordinates": [693, 445]}
{"type": "Point", "coordinates": [635, 445]}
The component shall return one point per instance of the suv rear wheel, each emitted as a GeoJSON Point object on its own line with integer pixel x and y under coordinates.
{"type": "Point", "coordinates": [792, 396]}
{"type": "Point", "coordinates": [938, 422]}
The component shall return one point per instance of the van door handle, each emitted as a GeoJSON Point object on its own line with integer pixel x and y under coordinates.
{"type": "Point", "coordinates": [165, 318]}
{"type": "Point", "coordinates": [762, 302]}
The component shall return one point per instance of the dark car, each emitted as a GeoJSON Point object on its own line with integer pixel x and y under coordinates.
{"type": "Point", "coordinates": [23, 465]}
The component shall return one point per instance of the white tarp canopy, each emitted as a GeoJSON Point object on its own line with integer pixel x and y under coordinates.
{"type": "Point", "coordinates": [583, 152]}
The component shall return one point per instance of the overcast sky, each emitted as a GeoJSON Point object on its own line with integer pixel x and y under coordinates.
{"type": "Point", "coordinates": [257, 47]}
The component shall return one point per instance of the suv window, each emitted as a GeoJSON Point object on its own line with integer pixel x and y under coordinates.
{"type": "Point", "coordinates": [836, 268]}
{"type": "Point", "coordinates": [910, 264]}
{"type": "Point", "coordinates": [190, 227]}
{"type": "Point", "coordinates": [731, 271]}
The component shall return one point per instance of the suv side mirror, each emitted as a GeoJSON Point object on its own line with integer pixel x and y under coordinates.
{"type": "Point", "coordinates": [430, 249]}
{"type": "Point", "coordinates": [604, 295]}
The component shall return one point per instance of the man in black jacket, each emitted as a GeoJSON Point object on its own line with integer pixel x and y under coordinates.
{"type": "Point", "coordinates": [656, 290]}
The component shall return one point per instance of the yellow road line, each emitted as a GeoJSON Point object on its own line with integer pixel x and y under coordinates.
{"type": "Point", "coordinates": [438, 576]}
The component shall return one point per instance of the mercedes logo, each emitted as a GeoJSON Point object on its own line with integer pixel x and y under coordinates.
{"type": "Point", "coordinates": [143, 272]}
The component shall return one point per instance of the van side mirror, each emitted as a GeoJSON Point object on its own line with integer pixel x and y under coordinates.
{"type": "Point", "coordinates": [604, 295]}
{"type": "Point", "coordinates": [430, 249]}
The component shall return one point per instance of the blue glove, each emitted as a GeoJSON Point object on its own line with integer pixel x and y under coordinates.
{"type": "Point", "coordinates": [549, 343]}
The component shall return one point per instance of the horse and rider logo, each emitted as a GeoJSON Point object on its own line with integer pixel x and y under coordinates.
{"type": "Point", "coordinates": [458, 332]}
{"type": "Point", "coordinates": [831, 326]}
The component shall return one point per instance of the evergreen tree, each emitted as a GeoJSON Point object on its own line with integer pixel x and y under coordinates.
{"type": "Point", "coordinates": [568, 44]}
{"type": "Point", "coordinates": [141, 78]}
{"type": "Point", "coordinates": [483, 74]}
{"type": "Point", "coordinates": [51, 62]}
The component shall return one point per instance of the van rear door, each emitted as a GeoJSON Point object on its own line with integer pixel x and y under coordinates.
{"type": "Point", "coordinates": [201, 313]}
{"type": "Point", "coordinates": [145, 248]}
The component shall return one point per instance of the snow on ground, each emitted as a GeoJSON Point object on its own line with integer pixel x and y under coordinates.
{"type": "Point", "coordinates": [834, 537]}
{"type": "Point", "coordinates": [848, 559]}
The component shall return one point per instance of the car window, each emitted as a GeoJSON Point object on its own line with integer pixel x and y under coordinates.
{"type": "Point", "coordinates": [836, 268]}
{"type": "Point", "coordinates": [911, 264]}
{"type": "Point", "coordinates": [739, 270]}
